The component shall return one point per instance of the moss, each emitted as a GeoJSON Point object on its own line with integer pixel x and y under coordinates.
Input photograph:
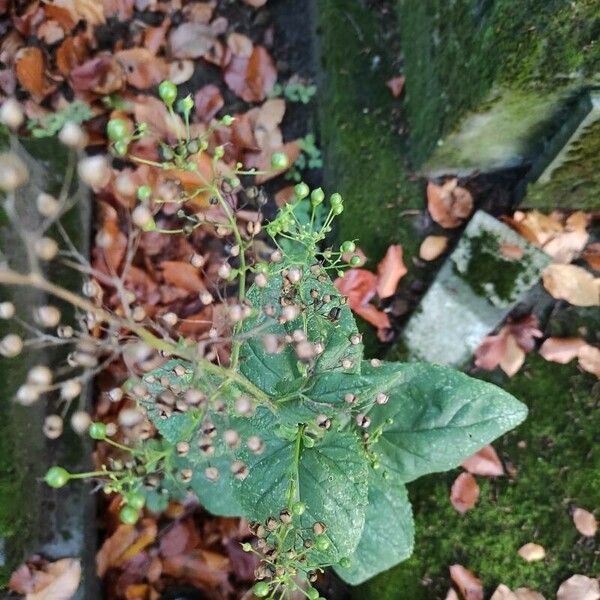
{"type": "Point", "coordinates": [556, 458]}
{"type": "Point", "coordinates": [487, 273]}
{"type": "Point", "coordinates": [364, 156]}
{"type": "Point", "coordinates": [575, 183]}
{"type": "Point", "coordinates": [455, 52]}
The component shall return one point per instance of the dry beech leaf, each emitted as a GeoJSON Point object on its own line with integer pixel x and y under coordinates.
{"type": "Point", "coordinates": [464, 493]}
{"type": "Point", "coordinates": [71, 53]}
{"type": "Point", "coordinates": [448, 204]}
{"type": "Point", "coordinates": [113, 547]}
{"type": "Point", "coordinates": [90, 11]}
{"type": "Point", "coordinates": [469, 585]}
{"type": "Point", "coordinates": [591, 255]}
{"type": "Point", "coordinates": [589, 359]}
{"type": "Point", "coordinates": [101, 74]}
{"type": "Point", "coordinates": [503, 592]}
{"type": "Point", "coordinates": [182, 275]}
{"type": "Point", "coordinates": [191, 40]}
{"type": "Point", "coordinates": [65, 577]}
{"type": "Point", "coordinates": [433, 246]}
{"type": "Point", "coordinates": [285, 195]}
{"type": "Point", "coordinates": [490, 352]}
{"type": "Point", "coordinates": [390, 271]}
{"type": "Point", "coordinates": [208, 101]}
{"type": "Point", "coordinates": [579, 587]}
{"type": "Point", "coordinates": [142, 69]}
{"type": "Point", "coordinates": [573, 284]}
{"type": "Point", "coordinates": [251, 78]}
{"type": "Point", "coordinates": [513, 357]}
{"type": "Point", "coordinates": [396, 85]}
{"type": "Point", "coordinates": [531, 552]}
{"type": "Point", "coordinates": [485, 462]}
{"type": "Point", "coordinates": [585, 522]}
{"type": "Point", "coordinates": [561, 350]}
{"type": "Point", "coordinates": [30, 68]}
{"type": "Point", "coordinates": [181, 71]}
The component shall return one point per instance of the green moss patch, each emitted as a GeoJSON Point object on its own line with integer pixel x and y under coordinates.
{"type": "Point", "coordinates": [555, 460]}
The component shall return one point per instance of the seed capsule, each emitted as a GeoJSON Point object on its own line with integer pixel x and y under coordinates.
{"type": "Point", "coordinates": [11, 114]}
{"type": "Point", "coordinates": [170, 319]}
{"type": "Point", "coordinates": [47, 205]}
{"type": "Point", "coordinates": [11, 345]}
{"type": "Point", "coordinates": [183, 448]}
{"type": "Point", "coordinates": [255, 444]}
{"type": "Point", "coordinates": [355, 339]}
{"type": "Point", "coordinates": [211, 473]}
{"type": "Point", "coordinates": [115, 395]}
{"type": "Point", "coordinates": [47, 316]}
{"type": "Point", "coordinates": [80, 421]}
{"type": "Point", "coordinates": [272, 524]}
{"type": "Point", "coordinates": [231, 438]}
{"type": "Point", "coordinates": [186, 475]}
{"type": "Point", "coordinates": [53, 427]}
{"type": "Point", "coordinates": [319, 528]}
{"type": "Point", "coordinates": [363, 421]}
{"type": "Point", "coordinates": [350, 398]}
{"type": "Point", "coordinates": [27, 394]}
{"type": "Point", "coordinates": [45, 248]}
{"type": "Point", "coordinates": [323, 421]}
{"type": "Point", "coordinates": [40, 375]}
{"type": "Point", "coordinates": [381, 398]}
{"type": "Point", "coordinates": [70, 389]}
{"type": "Point", "coordinates": [285, 516]}
{"type": "Point", "coordinates": [239, 469]}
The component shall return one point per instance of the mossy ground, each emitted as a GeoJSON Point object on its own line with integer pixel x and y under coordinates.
{"type": "Point", "coordinates": [556, 458]}
{"type": "Point", "coordinates": [456, 51]}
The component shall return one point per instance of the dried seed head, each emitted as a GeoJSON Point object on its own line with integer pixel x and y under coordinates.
{"type": "Point", "coordinates": [142, 216]}
{"type": "Point", "coordinates": [170, 319]}
{"type": "Point", "coordinates": [13, 172]}
{"type": "Point", "coordinates": [186, 475]}
{"type": "Point", "coordinates": [381, 398]}
{"type": "Point", "coordinates": [27, 394]}
{"type": "Point", "coordinates": [232, 438]}
{"type": "Point", "coordinates": [294, 275]}
{"type": "Point", "coordinates": [261, 280]}
{"type": "Point", "coordinates": [276, 256]}
{"type": "Point", "coordinates": [179, 370]}
{"type": "Point", "coordinates": [197, 261]}
{"type": "Point", "coordinates": [11, 113]}
{"type": "Point", "coordinates": [298, 335]}
{"type": "Point", "coordinates": [363, 421]}
{"type": "Point", "coordinates": [206, 298]}
{"type": "Point", "coordinates": [47, 205]}
{"type": "Point", "coordinates": [355, 339]}
{"type": "Point", "coordinates": [375, 362]}
{"type": "Point", "coordinates": [319, 528]}
{"type": "Point", "coordinates": [269, 310]}
{"type": "Point", "coordinates": [211, 473]}
{"type": "Point", "coordinates": [243, 406]}
{"type": "Point", "coordinates": [305, 350]}
{"type": "Point", "coordinates": [206, 446]}
{"type": "Point", "coordinates": [130, 417]}
{"type": "Point", "coordinates": [80, 421]}
{"type": "Point", "coordinates": [319, 348]}
{"type": "Point", "coordinates": [239, 469]}
{"type": "Point", "coordinates": [11, 345]}
{"type": "Point", "coordinates": [209, 429]}
{"type": "Point", "coordinates": [323, 421]}
{"type": "Point", "coordinates": [116, 394]}
{"type": "Point", "coordinates": [255, 444]}
{"type": "Point", "coordinates": [285, 516]}
{"type": "Point", "coordinates": [272, 524]}
{"type": "Point", "coordinates": [7, 310]}
{"type": "Point", "coordinates": [91, 289]}
{"type": "Point", "coordinates": [47, 316]}
{"type": "Point", "coordinates": [271, 343]}
{"type": "Point", "coordinates": [182, 448]}
{"type": "Point", "coordinates": [45, 248]}
{"type": "Point", "coordinates": [194, 397]}
{"type": "Point", "coordinates": [72, 135]}
{"type": "Point", "coordinates": [65, 332]}
{"type": "Point", "coordinates": [39, 375]}
{"type": "Point", "coordinates": [138, 314]}
{"type": "Point", "coordinates": [235, 313]}
{"type": "Point", "coordinates": [224, 271]}
{"type": "Point", "coordinates": [111, 429]}
{"type": "Point", "coordinates": [70, 389]}
{"type": "Point", "coordinates": [289, 313]}
{"type": "Point", "coordinates": [53, 427]}
{"type": "Point", "coordinates": [95, 171]}
{"type": "Point", "coordinates": [350, 398]}
{"type": "Point", "coordinates": [347, 363]}
{"type": "Point", "coordinates": [125, 185]}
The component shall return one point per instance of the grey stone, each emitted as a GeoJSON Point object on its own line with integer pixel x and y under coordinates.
{"type": "Point", "coordinates": [473, 293]}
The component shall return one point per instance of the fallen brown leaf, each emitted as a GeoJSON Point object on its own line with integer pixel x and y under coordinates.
{"type": "Point", "coordinates": [485, 462]}
{"type": "Point", "coordinates": [503, 592]}
{"type": "Point", "coordinates": [359, 285]}
{"type": "Point", "coordinates": [396, 85]}
{"type": "Point", "coordinates": [464, 493]}
{"type": "Point", "coordinates": [448, 204]}
{"type": "Point", "coordinates": [208, 101]}
{"type": "Point", "coordinates": [113, 548]}
{"type": "Point", "coordinates": [561, 350]}
{"type": "Point", "coordinates": [101, 74]}
{"type": "Point", "coordinates": [142, 69]}
{"type": "Point", "coordinates": [30, 68]}
{"type": "Point", "coordinates": [531, 552]}
{"type": "Point", "coordinates": [191, 40]}
{"type": "Point", "coordinates": [585, 522]}
{"type": "Point", "coordinates": [183, 275]}
{"type": "Point", "coordinates": [433, 246]}
{"type": "Point", "coordinates": [573, 284]}
{"type": "Point", "coordinates": [251, 78]}
{"type": "Point", "coordinates": [579, 587]}
{"type": "Point", "coordinates": [592, 255]}
{"type": "Point", "coordinates": [469, 585]}
{"type": "Point", "coordinates": [390, 270]}
{"type": "Point", "coordinates": [589, 359]}
{"type": "Point", "coordinates": [451, 595]}
{"type": "Point", "coordinates": [42, 580]}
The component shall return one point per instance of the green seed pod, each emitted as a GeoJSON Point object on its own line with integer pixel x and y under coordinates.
{"type": "Point", "coordinates": [167, 91]}
{"type": "Point", "coordinates": [301, 190]}
{"type": "Point", "coordinates": [345, 562]}
{"type": "Point", "coordinates": [321, 543]}
{"type": "Point", "coordinates": [336, 199]}
{"type": "Point", "coordinates": [227, 120]}
{"type": "Point", "coordinates": [57, 477]}
{"type": "Point", "coordinates": [136, 500]}
{"type": "Point", "coordinates": [116, 130]}
{"type": "Point", "coordinates": [298, 508]}
{"type": "Point", "coordinates": [312, 594]}
{"type": "Point", "coordinates": [317, 196]}
{"type": "Point", "coordinates": [279, 160]}
{"type": "Point", "coordinates": [337, 209]}
{"type": "Point", "coordinates": [261, 589]}
{"type": "Point", "coordinates": [355, 261]}
{"type": "Point", "coordinates": [186, 104]}
{"type": "Point", "coordinates": [129, 515]}
{"type": "Point", "coordinates": [348, 246]}
{"type": "Point", "coordinates": [97, 431]}
{"type": "Point", "coordinates": [120, 147]}
{"type": "Point", "coordinates": [144, 192]}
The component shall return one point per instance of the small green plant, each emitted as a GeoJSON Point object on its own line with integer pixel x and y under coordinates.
{"type": "Point", "coordinates": [300, 433]}
{"type": "Point", "coordinates": [295, 91]}
{"type": "Point", "coordinates": [52, 123]}
{"type": "Point", "coordinates": [310, 158]}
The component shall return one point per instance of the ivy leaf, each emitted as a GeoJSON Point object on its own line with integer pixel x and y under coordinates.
{"type": "Point", "coordinates": [439, 418]}
{"type": "Point", "coordinates": [331, 323]}
{"type": "Point", "coordinates": [331, 480]}
{"type": "Point", "coordinates": [389, 530]}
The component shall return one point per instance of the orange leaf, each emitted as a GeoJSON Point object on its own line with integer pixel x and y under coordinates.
{"type": "Point", "coordinates": [579, 587]}
{"type": "Point", "coordinates": [433, 246]}
{"type": "Point", "coordinates": [142, 69]}
{"type": "Point", "coordinates": [390, 270]}
{"type": "Point", "coordinates": [485, 462]}
{"type": "Point", "coordinates": [182, 275]}
{"type": "Point", "coordinates": [71, 53]}
{"type": "Point", "coordinates": [464, 493]}
{"type": "Point", "coordinates": [359, 285]}
{"type": "Point", "coordinates": [449, 204]}
{"type": "Point", "coordinates": [469, 585]}
{"type": "Point", "coordinates": [30, 66]}
{"type": "Point", "coordinates": [589, 359]}
{"type": "Point", "coordinates": [208, 102]}
{"type": "Point", "coordinates": [113, 547]}
{"type": "Point", "coordinates": [373, 315]}
{"type": "Point", "coordinates": [561, 350]}
{"type": "Point", "coordinates": [592, 255]}
{"type": "Point", "coordinates": [251, 78]}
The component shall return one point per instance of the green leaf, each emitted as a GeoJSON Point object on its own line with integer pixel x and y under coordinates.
{"type": "Point", "coordinates": [331, 479]}
{"type": "Point", "coordinates": [276, 373]}
{"type": "Point", "coordinates": [388, 534]}
{"type": "Point", "coordinates": [440, 417]}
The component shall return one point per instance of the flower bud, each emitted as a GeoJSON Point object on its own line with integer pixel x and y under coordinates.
{"type": "Point", "coordinates": [95, 171]}
{"type": "Point", "coordinates": [11, 114]}
{"type": "Point", "coordinates": [47, 205]}
{"type": "Point", "coordinates": [11, 345]}
{"type": "Point", "coordinates": [73, 135]}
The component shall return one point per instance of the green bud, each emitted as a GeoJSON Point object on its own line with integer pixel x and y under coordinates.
{"type": "Point", "coordinates": [227, 120]}
{"type": "Point", "coordinates": [321, 543]}
{"type": "Point", "coordinates": [279, 160]}
{"type": "Point", "coordinates": [144, 192]}
{"type": "Point", "coordinates": [301, 190]}
{"type": "Point", "coordinates": [336, 199]}
{"type": "Point", "coordinates": [317, 196]}
{"type": "Point", "coordinates": [219, 152]}
{"type": "Point", "coordinates": [167, 91]}
{"type": "Point", "coordinates": [355, 261]}
{"type": "Point", "coordinates": [261, 589]}
{"type": "Point", "coordinates": [246, 547]}
{"type": "Point", "coordinates": [345, 562]}
{"type": "Point", "coordinates": [348, 246]}
{"type": "Point", "coordinates": [120, 147]}
{"type": "Point", "coordinates": [116, 129]}
{"type": "Point", "coordinates": [136, 500]}
{"type": "Point", "coordinates": [129, 515]}
{"type": "Point", "coordinates": [337, 209]}
{"type": "Point", "coordinates": [298, 508]}
{"type": "Point", "coordinates": [185, 105]}
{"type": "Point", "coordinates": [312, 594]}
{"type": "Point", "coordinates": [97, 431]}
{"type": "Point", "coordinates": [57, 477]}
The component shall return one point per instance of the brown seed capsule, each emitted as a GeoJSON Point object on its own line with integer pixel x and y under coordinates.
{"type": "Point", "coordinates": [39, 375]}
{"type": "Point", "coordinates": [243, 406]}
{"type": "Point", "coordinates": [269, 310]}
{"type": "Point", "coordinates": [47, 316]}
{"type": "Point", "coordinates": [261, 280]}
{"type": "Point", "coordinates": [206, 447]}
{"type": "Point", "coordinates": [186, 475]}
{"type": "Point", "coordinates": [363, 421]}
{"type": "Point", "coordinates": [308, 544]}
{"type": "Point", "coordinates": [381, 398]}
{"type": "Point", "coordinates": [285, 516]}
{"type": "Point", "coordinates": [294, 275]}
{"type": "Point", "coordinates": [319, 528]}
{"type": "Point", "coordinates": [260, 531]}
{"type": "Point", "coordinates": [53, 427]}
{"type": "Point", "coordinates": [209, 429]}
{"type": "Point", "coordinates": [197, 261]}
{"type": "Point", "coordinates": [194, 397]}
{"type": "Point", "coordinates": [206, 298]}
{"type": "Point", "coordinates": [272, 524]}
{"type": "Point", "coordinates": [115, 395]}
{"type": "Point", "coordinates": [231, 438]}
{"type": "Point", "coordinates": [28, 394]}
{"type": "Point", "coordinates": [239, 469]}
{"type": "Point", "coordinates": [323, 421]}
{"type": "Point", "coordinates": [305, 351]}
{"type": "Point", "coordinates": [276, 256]}
{"type": "Point", "coordinates": [183, 448]}
{"type": "Point", "coordinates": [211, 473]}
{"type": "Point", "coordinates": [255, 445]}
{"type": "Point", "coordinates": [70, 389]}
{"type": "Point", "coordinates": [271, 343]}
{"type": "Point", "coordinates": [350, 398]}
{"type": "Point", "coordinates": [167, 397]}
{"type": "Point", "coordinates": [290, 313]}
